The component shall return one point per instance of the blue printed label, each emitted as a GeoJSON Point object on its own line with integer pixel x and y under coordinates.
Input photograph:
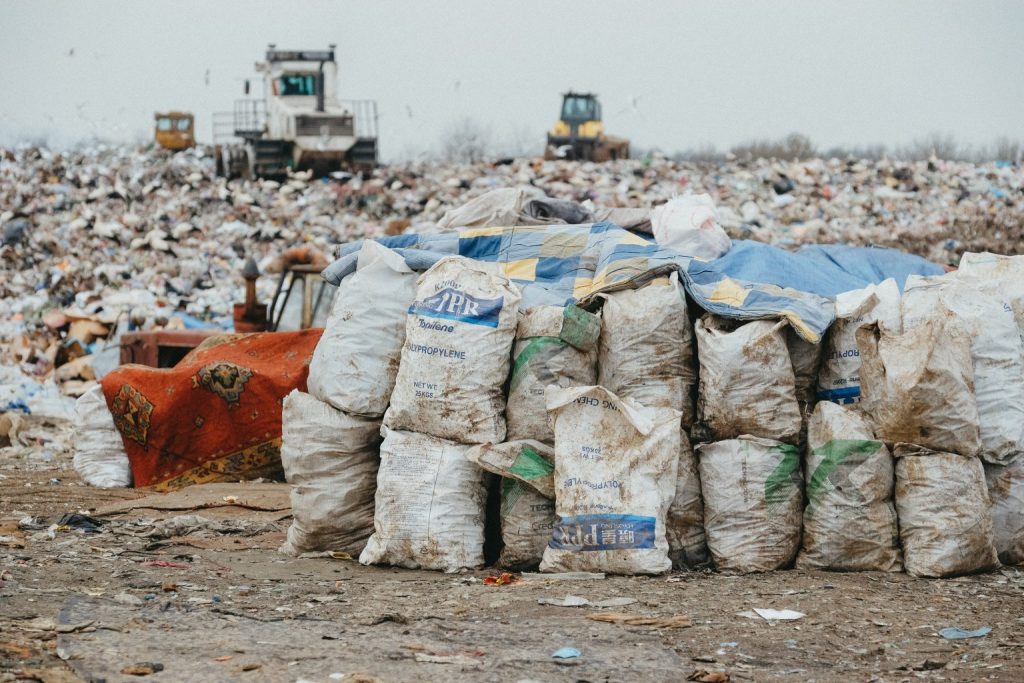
{"type": "Point", "coordinates": [603, 532]}
{"type": "Point", "coordinates": [844, 396]}
{"type": "Point", "coordinates": [451, 304]}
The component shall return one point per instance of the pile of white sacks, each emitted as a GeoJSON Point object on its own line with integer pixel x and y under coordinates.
{"type": "Point", "coordinates": [898, 442]}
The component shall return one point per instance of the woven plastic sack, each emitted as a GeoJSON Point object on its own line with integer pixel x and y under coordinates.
{"type": "Point", "coordinates": [646, 348]}
{"type": "Point", "coordinates": [529, 462]}
{"type": "Point", "coordinates": [944, 511]}
{"type": "Point", "coordinates": [429, 511]}
{"type": "Point", "coordinates": [684, 524]}
{"type": "Point", "coordinates": [997, 353]}
{"type": "Point", "coordinates": [1006, 490]}
{"type": "Point", "coordinates": [849, 520]}
{"type": "Point", "coordinates": [455, 359]}
{"type": "Point", "coordinates": [100, 458]}
{"type": "Point", "coordinates": [918, 387]}
{"type": "Point", "coordinates": [747, 384]}
{"type": "Point", "coordinates": [615, 476]}
{"type": "Point", "coordinates": [839, 377]}
{"type": "Point", "coordinates": [554, 346]}
{"type": "Point", "coordinates": [753, 503]}
{"type": "Point", "coordinates": [527, 521]}
{"type": "Point", "coordinates": [331, 460]}
{"type": "Point", "coordinates": [356, 360]}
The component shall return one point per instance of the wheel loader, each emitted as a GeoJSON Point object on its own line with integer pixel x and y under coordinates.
{"type": "Point", "coordinates": [175, 130]}
{"type": "Point", "coordinates": [579, 133]}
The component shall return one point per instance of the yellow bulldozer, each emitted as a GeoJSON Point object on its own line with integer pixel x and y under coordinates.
{"type": "Point", "coordinates": [175, 130]}
{"type": "Point", "coordinates": [579, 133]}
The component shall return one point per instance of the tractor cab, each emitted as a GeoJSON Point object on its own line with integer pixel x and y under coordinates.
{"type": "Point", "coordinates": [175, 130]}
{"type": "Point", "coordinates": [580, 108]}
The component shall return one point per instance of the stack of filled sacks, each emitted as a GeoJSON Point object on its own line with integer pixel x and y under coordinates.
{"type": "Point", "coordinates": [330, 437]}
{"type": "Point", "coordinates": [448, 396]}
{"type": "Point", "coordinates": [554, 346]}
{"type": "Point", "coordinates": [627, 495]}
{"type": "Point", "coordinates": [750, 421]}
{"type": "Point", "coordinates": [947, 392]}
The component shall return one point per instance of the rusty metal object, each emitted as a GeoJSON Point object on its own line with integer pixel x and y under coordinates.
{"type": "Point", "coordinates": [161, 348]}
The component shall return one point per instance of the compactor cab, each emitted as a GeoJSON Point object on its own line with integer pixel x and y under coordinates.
{"type": "Point", "coordinates": [579, 132]}
{"type": "Point", "coordinates": [175, 130]}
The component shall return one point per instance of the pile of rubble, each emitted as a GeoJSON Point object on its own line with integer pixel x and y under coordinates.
{"type": "Point", "coordinates": [100, 235]}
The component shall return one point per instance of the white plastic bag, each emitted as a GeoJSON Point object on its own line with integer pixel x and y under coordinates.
{"type": "Point", "coordinates": [684, 523]}
{"type": "Point", "coordinates": [554, 345]}
{"type": "Point", "coordinates": [330, 459]}
{"type": "Point", "coordinates": [690, 226]}
{"type": "Point", "coordinates": [850, 520]}
{"type": "Point", "coordinates": [527, 521]}
{"type": "Point", "coordinates": [456, 356]}
{"type": "Point", "coordinates": [646, 348]}
{"type": "Point", "coordinates": [839, 377]}
{"type": "Point", "coordinates": [918, 387]}
{"type": "Point", "coordinates": [615, 477]}
{"type": "Point", "coordinates": [429, 511]}
{"type": "Point", "coordinates": [753, 503]}
{"type": "Point", "coordinates": [529, 462]}
{"type": "Point", "coordinates": [747, 384]}
{"type": "Point", "coordinates": [1006, 489]}
{"type": "Point", "coordinates": [356, 360]}
{"type": "Point", "coordinates": [100, 458]}
{"type": "Point", "coordinates": [997, 353]}
{"type": "Point", "coordinates": [944, 512]}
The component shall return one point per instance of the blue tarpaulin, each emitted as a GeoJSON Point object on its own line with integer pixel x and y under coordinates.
{"type": "Point", "coordinates": [563, 264]}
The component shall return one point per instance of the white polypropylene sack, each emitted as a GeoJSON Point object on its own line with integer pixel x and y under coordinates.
{"type": "Point", "coordinates": [849, 520]}
{"type": "Point", "coordinates": [455, 360]}
{"type": "Point", "coordinates": [330, 459]}
{"type": "Point", "coordinates": [753, 503]}
{"type": "Point", "coordinates": [429, 510]}
{"type": "Point", "coordinates": [527, 521]}
{"type": "Point", "coordinates": [690, 226]}
{"type": "Point", "coordinates": [646, 347]}
{"type": "Point", "coordinates": [100, 458]}
{"type": "Point", "coordinates": [747, 384]}
{"type": "Point", "coordinates": [356, 360]}
{"type": "Point", "coordinates": [615, 477]}
{"type": "Point", "coordinates": [684, 523]}
{"type": "Point", "coordinates": [529, 462]}
{"type": "Point", "coordinates": [503, 207]}
{"type": "Point", "coordinates": [985, 317]}
{"type": "Point", "coordinates": [918, 387]}
{"type": "Point", "coordinates": [1002, 275]}
{"type": "Point", "coordinates": [944, 513]}
{"type": "Point", "coordinates": [554, 345]}
{"type": "Point", "coordinates": [1006, 490]}
{"type": "Point", "coordinates": [839, 377]}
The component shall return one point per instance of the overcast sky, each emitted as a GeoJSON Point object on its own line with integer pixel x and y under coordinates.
{"type": "Point", "coordinates": [672, 75]}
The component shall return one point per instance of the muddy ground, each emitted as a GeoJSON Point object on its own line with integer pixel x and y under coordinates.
{"type": "Point", "coordinates": [210, 599]}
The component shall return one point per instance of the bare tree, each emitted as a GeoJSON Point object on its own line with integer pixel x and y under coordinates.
{"type": "Point", "coordinates": [466, 141]}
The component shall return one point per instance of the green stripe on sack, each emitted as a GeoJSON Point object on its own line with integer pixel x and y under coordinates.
{"type": "Point", "coordinates": [511, 492]}
{"type": "Point", "coordinates": [833, 454]}
{"type": "Point", "coordinates": [530, 465]}
{"type": "Point", "coordinates": [784, 479]}
{"type": "Point", "coordinates": [533, 347]}
{"type": "Point", "coordinates": [580, 328]}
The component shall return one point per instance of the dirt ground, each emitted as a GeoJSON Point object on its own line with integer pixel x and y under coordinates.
{"type": "Point", "coordinates": [210, 599]}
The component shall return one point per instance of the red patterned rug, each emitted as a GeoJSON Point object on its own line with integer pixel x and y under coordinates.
{"type": "Point", "coordinates": [216, 415]}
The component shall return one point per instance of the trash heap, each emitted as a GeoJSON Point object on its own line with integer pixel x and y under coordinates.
{"type": "Point", "coordinates": [902, 451]}
{"type": "Point", "coordinates": [143, 238]}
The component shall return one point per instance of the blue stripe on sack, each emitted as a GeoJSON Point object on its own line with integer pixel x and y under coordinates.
{"type": "Point", "coordinates": [603, 532]}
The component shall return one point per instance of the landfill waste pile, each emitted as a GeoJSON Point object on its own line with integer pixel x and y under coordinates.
{"type": "Point", "coordinates": [567, 397]}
